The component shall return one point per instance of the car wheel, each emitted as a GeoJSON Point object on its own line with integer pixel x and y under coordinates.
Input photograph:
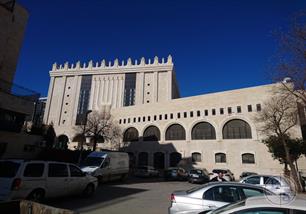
{"type": "Point", "coordinates": [37, 195]}
{"type": "Point", "coordinates": [89, 190]}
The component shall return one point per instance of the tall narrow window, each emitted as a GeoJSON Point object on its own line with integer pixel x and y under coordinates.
{"type": "Point", "coordinates": [178, 115]}
{"type": "Point", "coordinates": [206, 112]}
{"type": "Point", "coordinates": [171, 116]}
{"type": "Point", "coordinates": [220, 158]}
{"type": "Point", "coordinates": [238, 109]}
{"type": "Point", "coordinates": [129, 89]}
{"type": "Point", "coordinates": [221, 110]}
{"type": "Point", "coordinates": [249, 108]}
{"type": "Point", "coordinates": [229, 110]}
{"type": "Point", "coordinates": [83, 99]}
{"type": "Point", "coordinates": [258, 107]}
{"type": "Point", "coordinates": [191, 114]}
{"type": "Point", "coordinates": [185, 114]}
{"type": "Point", "coordinates": [213, 111]}
{"type": "Point", "coordinates": [166, 116]}
{"type": "Point", "coordinates": [198, 113]}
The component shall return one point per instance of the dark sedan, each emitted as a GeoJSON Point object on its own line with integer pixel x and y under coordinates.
{"type": "Point", "coordinates": [198, 176]}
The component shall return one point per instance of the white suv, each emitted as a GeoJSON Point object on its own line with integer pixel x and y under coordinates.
{"type": "Point", "coordinates": [36, 180]}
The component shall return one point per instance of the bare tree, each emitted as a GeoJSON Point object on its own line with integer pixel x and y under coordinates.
{"type": "Point", "coordinates": [100, 128]}
{"type": "Point", "coordinates": [278, 117]}
{"type": "Point", "coordinates": [291, 58]}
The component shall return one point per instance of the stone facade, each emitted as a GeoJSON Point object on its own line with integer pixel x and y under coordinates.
{"type": "Point", "coordinates": [158, 107]}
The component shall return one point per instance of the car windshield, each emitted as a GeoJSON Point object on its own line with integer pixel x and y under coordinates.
{"type": "Point", "coordinates": [8, 169]}
{"type": "Point", "coordinates": [92, 161]}
{"type": "Point", "coordinates": [228, 207]}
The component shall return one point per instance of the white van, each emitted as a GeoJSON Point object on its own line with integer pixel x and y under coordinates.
{"type": "Point", "coordinates": [36, 180]}
{"type": "Point", "coordinates": [107, 166]}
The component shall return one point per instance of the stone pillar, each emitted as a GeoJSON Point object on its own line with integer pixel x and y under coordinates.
{"type": "Point", "coordinates": [61, 100]}
{"type": "Point", "coordinates": [49, 100]}
{"type": "Point", "coordinates": [110, 97]}
{"type": "Point", "coordinates": [106, 89]}
{"type": "Point", "coordinates": [155, 87]}
{"type": "Point", "coordinates": [115, 94]}
{"type": "Point", "coordinates": [139, 88]}
{"type": "Point", "coordinates": [100, 96]}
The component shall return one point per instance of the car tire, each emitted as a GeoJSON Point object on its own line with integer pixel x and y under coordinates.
{"type": "Point", "coordinates": [37, 195]}
{"type": "Point", "coordinates": [89, 191]}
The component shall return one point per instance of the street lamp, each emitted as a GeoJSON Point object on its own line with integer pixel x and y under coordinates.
{"type": "Point", "coordinates": [84, 132]}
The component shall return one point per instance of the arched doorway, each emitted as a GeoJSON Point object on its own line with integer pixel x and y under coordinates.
{"type": "Point", "coordinates": [62, 142]}
{"type": "Point", "coordinates": [159, 160]}
{"type": "Point", "coordinates": [143, 159]}
{"type": "Point", "coordinates": [175, 158]}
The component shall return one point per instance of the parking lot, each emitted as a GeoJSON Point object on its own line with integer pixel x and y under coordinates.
{"type": "Point", "coordinates": [134, 196]}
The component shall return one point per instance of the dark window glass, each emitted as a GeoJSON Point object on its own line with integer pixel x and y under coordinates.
{"type": "Point", "coordinates": [75, 171]}
{"type": "Point", "coordinates": [175, 158]}
{"type": "Point", "coordinates": [129, 89]}
{"type": "Point", "coordinates": [124, 121]}
{"type": "Point", "coordinates": [83, 99]}
{"type": "Point", "coordinates": [139, 119]}
{"type": "Point", "coordinates": [134, 119]}
{"type": "Point", "coordinates": [191, 114]}
{"type": "Point", "coordinates": [129, 120]}
{"type": "Point", "coordinates": [250, 192]}
{"type": "Point", "coordinates": [221, 110]}
{"type": "Point", "coordinates": [206, 112]}
{"type": "Point", "coordinates": [213, 111]}
{"type": "Point", "coordinates": [237, 129]}
{"type": "Point", "coordinates": [198, 113]}
{"type": "Point", "coordinates": [196, 157]}
{"type": "Point", "coordinates": [185, 114]}
{"type": "Point", "coordinates": [143, 119]}
{"type": "Point", "coordinates": [175, 132]}
{"type": "Point", "coordinates": [131, 134]}
{"type": "Point", "coordinates": [57, 170]}
{"type": "Point", "coordinates": [171, 116]}
{"type": "Point", "coordinates": [178, 115]}
{"type": "Point", "coordinates": [149, 118]}
{"type": "Point", "coordinates": [151, 133]}
{"type": "Point", "coordinates": [248, 158]}
{"type": "Point", "coordinates": [258, 107]}
{"type": "Point", "coordinates": [166, 116]}
{"type": "Point", "coordinates": [238, 109]}
{"type": "Point", "coordinates": [120, 121]}
{"type": "Point", "coordinates": [249, 108]}
{"type": "Point", "coordinates": [229, 110]}
{"type": "Point", "coordinates": [155, 117]}
{"type": "Point", "coordinates": [222, 193]}
{"type": "Point", "coordinates": [252, 180]}
{"type": "Point", "coordinates": [34, 170]}
{"type": "Point", "coordinates": [220, 158]}
{"type": "Point", "coordinates": [203, 130]}
{"type": "Point", "coordinates": [160, 117]}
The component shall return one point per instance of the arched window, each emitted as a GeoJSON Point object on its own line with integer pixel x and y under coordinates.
{"type": "Point", "coordinates": [236, 129]}
{"type": "Point", "coordinates": [248, 158]}
{"type": "Point", "coordinates": [131, 134]}
{"type": "Point", "coordinates": [203, 130]}
{"type": "Point", "coordinates": [220, 158]}
{"type": "Point", "coordinates": [151, 133]}
{"type": "Point", "coordinates": [175, 132]}
{"type": "Point", "coordinates": [196, 157]}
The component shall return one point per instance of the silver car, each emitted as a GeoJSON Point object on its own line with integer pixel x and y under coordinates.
{"type": "Point", "coordinates": [277, 184]}
{"type": "Point", "coordinates": [211, 196]}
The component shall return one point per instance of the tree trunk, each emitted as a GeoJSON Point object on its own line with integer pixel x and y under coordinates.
{"type": "Point", "coordinates": [293, 171]}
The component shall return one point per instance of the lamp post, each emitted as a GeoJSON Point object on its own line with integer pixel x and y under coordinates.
{"type": "Point", "coordinates": [84, 132]}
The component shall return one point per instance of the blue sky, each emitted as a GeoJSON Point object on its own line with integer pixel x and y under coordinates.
{"type": "Point", "coordinates": [216, 45]}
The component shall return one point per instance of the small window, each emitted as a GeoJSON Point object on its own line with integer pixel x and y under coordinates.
{"type": "Point", "coordinates": [213, 111]}
{"type": "Point", "coordinates": [57, 170]}
{"type": "Point", "coordinates": [166, 116]}
{"type": "Point", "coordinates": [66, 104]}
{"type": "Point", "coordinates": [75, 171]}
{"type": "Point", "coordinates": [248, 158]}
{"type": "Point", "coordinates": [160, 117]}
{"type": "Point", "coordinates": [129, 120]}
{"type": "Point", "coordinates": [229, 110]}
{"type": "Point", "coordinates": [185, 114]}
{"type": "Point", "coordinates": [65, 112]}
{"type": "Point", "coordinates": [148, 92]}
{"type": "Point", "coordinates": [134, 119]}
{"type": "Point", "coordinates": [191, 114]}
{"type": "Point", "coordinates": [139, 119]}
{"type": "Point", "coordinates": [258, 107]}
{"type": "Point", "coordinates": [198, 113]}
{"type": "Point", "coordinates": [69, 87]}
{"type": "Point", "coordinates": [149, 118]}
{"type": "Point", "coordinates": [148, 101]}
{"type": "Point", "coordinates": [120, 121]}
{"type": "Point", "coordinates": [221, 110]}
{"type": "Point", "coordinates": [196, 157]}
{"type": "Point", "coordinates": [249, 108]}
{"type": "Point", "coordinates": [143, 119]}
{"type": "Point", "coordinates": [124, 121]}
{"type": "Point", "coordinates": [148, 84]}
{"type": "Point", "coordinates": [171, 116]}
{"type": "Point", "coordinates": [238, 109]}
{"type": "Point", "coordinates": [155, 117]}
{"type": "Point", "coordinates": [220, 158]}
{"type": "Point", "coordinates": [68, 95]}
{"type": "Point", "coordinates": [206, 112]}
{"type": "Point", "coordinates": [34, 170]}
{"type": "Point", "coordinates": [178, 115]}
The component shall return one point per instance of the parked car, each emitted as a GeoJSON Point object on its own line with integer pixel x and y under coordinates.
{"type": "Point", "coordinates": [246, 174]}
{"type": "Point", "coordinates": [107, 166]}
{"type": "Point", "coordinates": [261, 204]}
{"type": "Point", "coordinates": [198, 176]}
{"type": "Point", "coordinates": [36, 180]}
{"type": "Point", "coordinates": [277, 184]}
{"type": "Point", "coordinates": [175, 174]}
{"type": "Point", "coordinates": [146, 171]}
{"type": "Point", "coordinates": [227, 174]}
{"type": "Point", "coordinates": [211, 196]}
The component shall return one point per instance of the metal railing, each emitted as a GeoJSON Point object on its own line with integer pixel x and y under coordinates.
{"type": "Point", "coordinates": [18, 91]}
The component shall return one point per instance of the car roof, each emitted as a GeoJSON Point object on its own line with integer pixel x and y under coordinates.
{"type": "Point", "coordinates": [276, 201]}
{"type": "Point", "coordinates": [235, 184]}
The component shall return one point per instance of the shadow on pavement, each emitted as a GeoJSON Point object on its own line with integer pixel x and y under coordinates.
{"type": "Point", "coordinates": [105, 195]}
